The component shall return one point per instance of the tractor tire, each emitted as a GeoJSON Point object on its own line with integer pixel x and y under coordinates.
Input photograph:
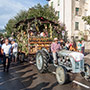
{"type": "Point", "coordinates": [87, 72]}
{"type": "Point", "coordinates": [61, 75]}
{"type": "Point", "coordinates": [41, 62]}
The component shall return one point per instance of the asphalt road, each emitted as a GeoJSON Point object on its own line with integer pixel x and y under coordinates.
{"type": "Point", "coordinates": [26, 77]}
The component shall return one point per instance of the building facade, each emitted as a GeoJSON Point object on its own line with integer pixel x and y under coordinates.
{"type": "Point", "coordinates": [70, 12]}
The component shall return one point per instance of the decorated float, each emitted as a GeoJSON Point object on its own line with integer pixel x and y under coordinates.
{"type": "Point", "coordinates": [37, 33]}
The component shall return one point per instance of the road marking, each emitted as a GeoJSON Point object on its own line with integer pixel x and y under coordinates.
{"type": "Point", "coordinates": [54, 73]}
{"type": "Point", "coordinates": [81, 84]}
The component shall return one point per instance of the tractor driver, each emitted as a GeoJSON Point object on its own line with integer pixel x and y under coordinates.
{"type": "Point", "coordinates": [55, 47]}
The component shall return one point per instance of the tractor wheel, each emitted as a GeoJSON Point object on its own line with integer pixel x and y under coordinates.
{"type": "Point", "coordinates": [61, 75]}
{"type": "Point", "coordinates": [87, 72]}
{"type": "Point", "coordinates": [41, 61]}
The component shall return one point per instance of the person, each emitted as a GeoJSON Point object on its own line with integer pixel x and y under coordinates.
{"type": "Point", "coordinates": [79, 46]}
{"type": "Point", "coordinates": [0, 52]}
{"type": "Point", "coordinates": [14, 51]}
{"type": "Point", "coordinates": [83, 47]}
{"type": "Point", "coordinates": [6, 51]}
{"type": "Point", "coordinates": [62, 43]}
{"type": "Point", "coordinates": [70, 46]}
{"type": "Point", "coordinates": [42, 34]}
{"type": "Point", "coordinates": [74, 45]}
{"type": "Point", "coordinates": [67, 45]}
{"type": "Point", "coordinates": [55, 47]}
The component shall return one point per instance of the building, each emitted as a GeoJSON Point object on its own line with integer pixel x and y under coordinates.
{"type": "Point", "coordinates": [70, 12]}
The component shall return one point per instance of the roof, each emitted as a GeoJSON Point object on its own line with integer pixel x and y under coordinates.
{"type": "Point", "coordinates": [42, 19]}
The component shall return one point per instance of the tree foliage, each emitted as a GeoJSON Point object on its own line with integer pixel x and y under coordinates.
{"type": "Point", "coordinates": [86, 19]}
{"type": "Point", "coordinates": [45, 11]}
{"type": "Point", "coordinates": [36, 11]}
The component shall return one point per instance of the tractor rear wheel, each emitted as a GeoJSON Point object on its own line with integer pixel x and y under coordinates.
{"type": "Point", "coordinates": [41, 61]}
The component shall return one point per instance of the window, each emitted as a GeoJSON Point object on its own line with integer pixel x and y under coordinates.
{"type": "Point", "coordinates": [51, 4]}
{"type": "Point", "coordinates": [76, 25]}
{"type": "Point", "coordinates": [76, 37]}
{"type": "Point", "coordinates": [58, 2]}
{"type": "Point", "coordinates": [58, 14]}
{"type": "Point", "coordinates": [77, 11]}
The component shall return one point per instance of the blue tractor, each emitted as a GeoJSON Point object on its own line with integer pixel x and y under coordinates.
{"type": "Point", "coordinates": [68, 62]}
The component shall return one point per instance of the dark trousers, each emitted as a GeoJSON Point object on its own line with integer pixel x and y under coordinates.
{"type": "Point", "coordinates": [83, 50]}
{"type": "Point", "coordinates": [4, 62]}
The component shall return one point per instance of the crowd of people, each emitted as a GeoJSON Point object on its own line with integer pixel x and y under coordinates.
{"type": "Point", "coordinates": [8, 52]}
{"type": "Point", "coordinates": [57, 45]}
{"type": "Point", "coordinates": [73, 46]}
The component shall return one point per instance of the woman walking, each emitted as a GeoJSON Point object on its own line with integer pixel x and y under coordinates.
{"type": "Point", "coordinates": [79, 46]}
{"type": "Point", "coordinates": [83, 47]}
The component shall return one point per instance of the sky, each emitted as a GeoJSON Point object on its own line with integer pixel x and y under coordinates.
{"type": "Point", "coordinates": [9, 8]}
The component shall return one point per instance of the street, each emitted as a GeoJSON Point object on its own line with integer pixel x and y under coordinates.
{"type": "Point", "coordinates": [26, 77]}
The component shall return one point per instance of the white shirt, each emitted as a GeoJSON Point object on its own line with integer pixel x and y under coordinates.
{"type": "Point", "coordinates": [83, 44]}
{"type": "Point", "coordinates": [67, 45]}
{"type": "Point", "coordinates": [15, 47]}
{"type": "Point", "coordinates": [7, 48]}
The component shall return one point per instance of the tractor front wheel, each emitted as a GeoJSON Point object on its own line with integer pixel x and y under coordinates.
{"type": "Point", "coordinates": [61, 75]}
{"type": "Point", "coordinates": [87, 72]}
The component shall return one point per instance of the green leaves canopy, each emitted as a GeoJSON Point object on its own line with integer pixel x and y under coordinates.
{"type": "Point", "coordinates": [36, 11]}
{"type": "Point", "coordinates": [86, 19]}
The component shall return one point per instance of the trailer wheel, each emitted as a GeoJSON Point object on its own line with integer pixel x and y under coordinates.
{"type": "Point", "coordinates": [41, 61]}
{"type": "Point", "coordinates": [61, 75]}
{"type": "Point", "coordinates": [87, 72]}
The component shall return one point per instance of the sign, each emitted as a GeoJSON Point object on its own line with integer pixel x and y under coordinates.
{"type": "Point", "coordinates": [63, 33]}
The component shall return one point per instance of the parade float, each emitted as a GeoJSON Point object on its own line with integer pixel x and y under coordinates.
{"type": "Point", "coordinates": [36, 33]}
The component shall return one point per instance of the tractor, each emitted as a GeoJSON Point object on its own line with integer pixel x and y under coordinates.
{"type": "Point", "coordinates": [68, 62]}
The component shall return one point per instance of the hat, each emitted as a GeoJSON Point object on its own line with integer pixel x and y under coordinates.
{"type": "Point", "coordinates": [14, 40]}
{"type": "Point", "coordinates": [55, 39]}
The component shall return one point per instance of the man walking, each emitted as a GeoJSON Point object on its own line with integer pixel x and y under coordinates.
{"type": "Point", "coordinates": [14, 51]}
{"type": "Point", "coordinates": [6, 50]}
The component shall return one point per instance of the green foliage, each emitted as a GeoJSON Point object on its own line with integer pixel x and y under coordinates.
{"type": "Point", "coordinates": [22, 15]}
{"type": "Point", "coordinates": [86, 19]}
{"type": "Point", "coordinates": [10, 26]}
{"type": "Point", "coordinates": [42, 11]}
{"type": "Point", "coordinates": [36, 11]}
{"type": "Point", "coordinates": [1, 35]}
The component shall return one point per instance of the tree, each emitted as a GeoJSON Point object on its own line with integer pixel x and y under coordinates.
{"type": "Point", "coordinates": [11, 23]}
{"type": "Point", "coordinates": [10, 26]}
{"type": "Point", "coordinates": [86, 19]}
{"type": "Point", "coordinates": [22, 15]}
{"type": "Point", "coordinates": [42, 11]}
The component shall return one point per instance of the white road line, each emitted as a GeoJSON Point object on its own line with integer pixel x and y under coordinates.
{"type": "Point", "coordinates": [83, 85]}
{"type": "Point", "coordinates": [54, 73]}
